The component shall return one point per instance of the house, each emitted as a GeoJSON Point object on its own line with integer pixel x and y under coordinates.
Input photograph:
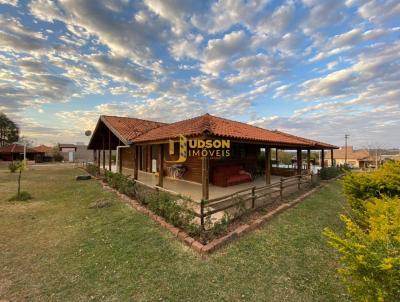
{"type": "Point", "coordinates": [201, 156]}
{"type": "Point", "coordinates": [45, 153]}
{"type": "Point", "coordinates": [355, 158]}
{"type": "Point", "coordinates": [16, 152]}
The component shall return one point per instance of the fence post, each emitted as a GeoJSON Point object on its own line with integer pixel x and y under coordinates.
{"type": "Point", "coordinates": [298, 182]}
{"type": "Point", "coordinates": [202, 214]}
{"type": "Point", "coordinates": [253, 197]}
{"type": "Point", "coordinates": [281, 188]}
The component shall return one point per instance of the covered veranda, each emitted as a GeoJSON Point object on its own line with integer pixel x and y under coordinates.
{"type": "Point", "coordinates": [142, 151]}
{"type": "Point", "coordinates": [268, 173]}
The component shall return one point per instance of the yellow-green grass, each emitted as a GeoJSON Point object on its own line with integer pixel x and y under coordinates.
{"type": "Point", "coordinates": [53, 248]}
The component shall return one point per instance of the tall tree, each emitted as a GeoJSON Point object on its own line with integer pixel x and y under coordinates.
{"type": "Point", "coordinates": [9, 131]}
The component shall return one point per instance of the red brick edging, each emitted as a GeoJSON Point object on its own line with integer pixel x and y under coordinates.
{"type": "Point", "coordinates": [216, 243]}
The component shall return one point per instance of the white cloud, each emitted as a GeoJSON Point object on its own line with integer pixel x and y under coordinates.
{"type": "Point", "coordinates": [219, 51]}
{"type": "Point", "coordinates": [380, 11]}
{"type": "Point", "coordinates": [9, 2]}
{"type": "Point", "coordinates": [224, 14]}
{"type": "Point", "coordinates": [45, 10]}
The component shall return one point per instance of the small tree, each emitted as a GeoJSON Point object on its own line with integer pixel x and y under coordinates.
{"type": "Point", "coordinates": [20, 167]}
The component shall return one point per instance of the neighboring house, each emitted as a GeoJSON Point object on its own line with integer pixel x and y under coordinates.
{"type": "Point", "coordinates": [75, 153]}
{"type": "Point", "coordinates": [67, 151]}
{"type": "Point", "coordinates": [45, 153]}
{"type": "Point", "coordinates": [150, 150]}
{"type": "Point", "coordinates": [16, 152]}
{"type": "Point", "coordinates": [355, 158]}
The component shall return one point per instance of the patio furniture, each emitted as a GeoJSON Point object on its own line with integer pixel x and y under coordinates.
{"type": "Point", "coordinates": [229, 175]}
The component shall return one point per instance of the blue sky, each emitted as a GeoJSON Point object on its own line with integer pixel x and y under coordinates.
{"type": "Point", "coordinates": [318, 69]}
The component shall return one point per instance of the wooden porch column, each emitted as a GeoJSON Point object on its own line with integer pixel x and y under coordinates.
{"type": "Point", "coordinates": [98, 158]}
{"type": "Point", "coordinates": [299, 161]}
{"type": "Point", "coordinates": [267, 165]}
{"type": "Point", "coordinates": [135, 162]}
{"type": "Point", "coordinates": [94, 156]}
{"type": "Point", "coordinates": [276, 157]}
{"type": "Point", "coordinates": [149, 157]}
{"type": "Point", "coordinates": [120, 160]}
{"type": "Point", "coordinates": [332, 163]}
{"type": "Point", "coordinates": [160, 165]}
{"type": "Point", "coordinates": [109, 150]}
{"type": "Point", "coordinates": [308, 160]}
{"type": "Point", "coordinates": [104, 156]}
{"type": "Point", "coordinates": [322, 158]}
{"type": "Point", "coordinates": [205, 165]}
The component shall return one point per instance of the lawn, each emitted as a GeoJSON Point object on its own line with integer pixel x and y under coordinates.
{"type": "Point", "coordinates": [54, 248]}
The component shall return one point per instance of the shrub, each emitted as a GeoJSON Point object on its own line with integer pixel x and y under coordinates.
{"type": "Point", "coordinates": [371, 256]}
{"type": "Point", "coordinates": [370, 248]}
{"type": "Point", "coordinates": [330, 172]}
{"type": "Point", "coordinates": [12, 167]}
{"type": "Point", "coordinates": [58, 157]}
{"type": "Point", "coordinates": [361, 186]}
{"type": "Point", "coordinates": [163, 204]}
{"type": "Point", "coordinates": [22, 196]}
{"type": "Point", "coordinates": [93, 169]}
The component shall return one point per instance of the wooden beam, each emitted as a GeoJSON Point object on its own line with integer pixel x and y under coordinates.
{"type": "Point", "coordinates": [276, 156]}
{"type": "Point", "coordinates": [109, 150]}
{"type": "Point", "coordinates": [308, 160]}
{"type": "Point", "coordinates": [322, 158]}
{"type": "Point", "coordinates": [98, 158]}
{"type": "Point", "coordinates": [160, 165]}
{"type": "Point", "coordinates": [135, 162]}
{"type": "Point", "coordinates": [299, 161]}
{"type": "Point", "coordinates": [332, 163]}
{"type": "Point", "coordinates": [267, 165]}
{"type": "Point", "coordinates": [205, 166]}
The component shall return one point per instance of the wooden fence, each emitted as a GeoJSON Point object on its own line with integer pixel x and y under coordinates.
{"type": "Point", "coordinates": [249, 196]}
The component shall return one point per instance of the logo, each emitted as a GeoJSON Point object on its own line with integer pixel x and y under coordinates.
{"type": "Point", "coordinates": [211, 148]}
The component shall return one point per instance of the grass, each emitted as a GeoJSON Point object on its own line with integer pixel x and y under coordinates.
{"type": "Point", "coordinates": [54, 248]}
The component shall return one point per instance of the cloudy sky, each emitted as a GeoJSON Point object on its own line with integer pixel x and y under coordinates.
{"type": "Point", "coordinates": [319, 69]}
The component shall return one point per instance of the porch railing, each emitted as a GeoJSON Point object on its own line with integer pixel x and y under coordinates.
{"type": "Point", "coordinates": [250, 196]}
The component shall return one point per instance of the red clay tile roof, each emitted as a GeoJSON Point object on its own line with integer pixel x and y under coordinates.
{"type": "Point", "coordinates": [314, 143]}
{"type": "Point", "coordinates": [15, 148]}
{"type": "Point", "coordinates": [129, 128]}
{"type": "Point", "coordinates": [224, 128]}
{"type": "Point", "coordinates": [351, 154]}
{"type": "Point", "coordinates": [43, 149]}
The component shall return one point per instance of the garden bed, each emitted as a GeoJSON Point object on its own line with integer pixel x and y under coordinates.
{"type": "Point", "coordinates": [176, 213]}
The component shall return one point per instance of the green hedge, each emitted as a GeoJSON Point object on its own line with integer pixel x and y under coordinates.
{"type": "Point", "coordinates": [330, 172]}
{"type": "Point", "coordinates": [172, 208]}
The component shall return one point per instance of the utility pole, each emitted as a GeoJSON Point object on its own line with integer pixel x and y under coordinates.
{"type": "Point", "coordinates": [346, 136]}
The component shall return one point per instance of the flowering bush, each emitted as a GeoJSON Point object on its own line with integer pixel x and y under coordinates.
{"type": "Point", "coordinates": [360, 187]}
{"type": "Point", "coordinates": [370, 247]}
{"type": "Point", "coordinates": [371, 257]}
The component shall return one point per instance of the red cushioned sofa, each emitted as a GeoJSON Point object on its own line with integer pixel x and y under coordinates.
{"type": "Point", "coordinates": [229, 175]}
